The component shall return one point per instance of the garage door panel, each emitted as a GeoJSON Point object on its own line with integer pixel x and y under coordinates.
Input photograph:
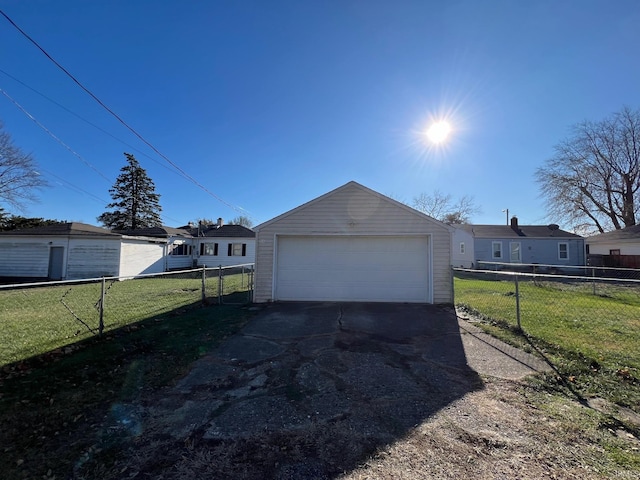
{"type": "Point", "coordinates": [353, 268]}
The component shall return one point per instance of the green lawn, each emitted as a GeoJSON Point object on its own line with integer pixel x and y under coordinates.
{"type": "Point", "coordinates": [52, 407]}
{"type": "Point", "coordinates": [593, 339]}
{"type": "Point", "coordinates": [37, 320]}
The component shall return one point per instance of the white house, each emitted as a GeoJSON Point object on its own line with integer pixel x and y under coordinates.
{"type": "Point", "coordinates": [353, 244]}
{"type": "Point", "coordinates": [69, 251]}
{"type": "Point", "coordinates": [224, 245]}
{"type": "Point", "coordinates": [462, 249]}
{"type": "Point", "coordinates": [179, 254]}
{"type": "Point", "coordinates": [618, 248]}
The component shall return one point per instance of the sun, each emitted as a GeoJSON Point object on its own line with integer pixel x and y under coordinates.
{"type": "Point", "coordinates": [439, 132]}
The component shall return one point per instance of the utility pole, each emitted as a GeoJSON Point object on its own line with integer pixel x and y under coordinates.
{"type": "Point", "coordinates": [507, 210]}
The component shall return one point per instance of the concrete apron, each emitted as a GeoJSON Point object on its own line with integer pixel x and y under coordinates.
{"type": "Point", "coordinates": [377, 370]}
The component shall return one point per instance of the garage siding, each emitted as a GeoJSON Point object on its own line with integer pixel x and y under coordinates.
{"type": "Point", "coordinates": [354, 210]}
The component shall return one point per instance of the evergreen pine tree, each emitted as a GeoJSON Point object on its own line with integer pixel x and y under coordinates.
{"type": "Point", "coordinates": [135, 201]}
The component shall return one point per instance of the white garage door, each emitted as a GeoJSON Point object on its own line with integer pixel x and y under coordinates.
{"type": "Point", "coordinates": [343, 268]}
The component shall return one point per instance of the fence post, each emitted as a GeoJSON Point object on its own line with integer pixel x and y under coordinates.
{"type": "Point", "coordinates": [518, 302]}
{"type": "Point", "coordinates": [102, 295]}
{"type": "Point", "coordinates": [204, 278]}
{"type": "Point", "coordinates": [453, 290]}
{"type": "Point", "coordinates": [219, 284]}
{"type": "Point", "coordinates": [593, 281]}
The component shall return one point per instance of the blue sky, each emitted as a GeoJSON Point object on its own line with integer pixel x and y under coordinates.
{"type": "Point", "coordinates": [271, 104]}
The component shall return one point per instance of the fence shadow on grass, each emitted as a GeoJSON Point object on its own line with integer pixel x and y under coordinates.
{"type": "Point", "coordinates": [53, 406]}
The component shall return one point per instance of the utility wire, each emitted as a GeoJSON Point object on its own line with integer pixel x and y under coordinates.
{"type": "Point", "coordinates": [80, 157]}
{"type": "Point", "coordinates": [117, 117]}
{"type": "Point", "coordinates": [87, 121]}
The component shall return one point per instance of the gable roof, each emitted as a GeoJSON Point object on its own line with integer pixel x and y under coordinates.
{"type": "Point", "coordinates": [225, 231]}
{"type": "Point", "coordinates": [63, 229]}
{"type": "Point", "coordinates": [348, 185]}
{"type": "Point", "coordinates": [523, 231]}
{"type": "Point", "coordinates": [624, 234]}
{"type": "Point", "coordinates": [162, 232]}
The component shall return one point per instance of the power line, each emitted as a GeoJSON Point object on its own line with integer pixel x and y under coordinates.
{"type": "Point", "coordinates": [117, 117]}
{"type": "Point", "coordinates": [76, 154]}
{"type": "Point", "coordinates": [86, 121]}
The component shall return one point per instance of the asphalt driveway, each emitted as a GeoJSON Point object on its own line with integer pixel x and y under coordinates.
{"type": "Point", "coordinates": [353, 377]}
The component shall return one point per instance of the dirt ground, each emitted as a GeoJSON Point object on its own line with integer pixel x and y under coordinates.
{"type": "Point", "coordinates": [299, 397]}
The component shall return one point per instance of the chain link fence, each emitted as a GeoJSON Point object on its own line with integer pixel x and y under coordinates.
{"type": "Point", "coordinates": [40, 317]}
{"type": "Point", "coordinates": [595, 316]}
{"type": "Point", "coordinates": [521, 294]}
{"type": "Point", "coordinates": [590, 271]}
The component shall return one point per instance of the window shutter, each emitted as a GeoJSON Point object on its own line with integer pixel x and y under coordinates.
{"type": "Point", "coordinates": [229, 250]}
{"type": "Point", "coordinates": [244, 249]}
{"type": "Point", "coordinates": [215, 249]}
{"type": "Point", "coordinates": [202, 249]}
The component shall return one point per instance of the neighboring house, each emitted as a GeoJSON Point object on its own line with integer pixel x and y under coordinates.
{"type": "Point", "coordinates": [225, 245]}
{"type": "Point", "coordinates": [618, 248]}
{"type": "Point", "coordinates": [179, 254]}
{"type": "Point", "coordinates": [462, 248]}
{"type": "Point", "coordinates": [353, 244]}
{"type": "Point", "coordinates": [527, 244]}
{"type": "Point", "coordinates": [209, 245]}
{"type": "Point", "coordinates": [70, 251]}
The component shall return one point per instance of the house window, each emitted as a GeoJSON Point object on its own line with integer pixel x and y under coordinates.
{"type": "Point", "coordinates": [237, 250]}
{"type": "Point", "coordinates": [210, 249]}
{"type": "Point", "coordinates": [182, 249]}
{"type": "Point", "coordinates": [461, 248]}
{"type": "Point", "coordinates": [614, 252]}
{"type": "Point", "coordinates": [563, 251]}
{"type": "Point", "coordinates": [496, 248]}
{"type": "Point", "coordinates": [515, 254]}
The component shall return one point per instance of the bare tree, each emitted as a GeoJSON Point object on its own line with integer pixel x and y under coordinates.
{"type": "Point", "coordinates": [593, 180]}
{"type": "Point", "coordinates": [242, 220]}
{"type": "Point", "coordinates": [18, 173]}
{"type": "Point", "coordinates": [444, 208]}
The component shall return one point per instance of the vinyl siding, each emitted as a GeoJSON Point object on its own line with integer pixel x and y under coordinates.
{"type": "Point", "coordinates": [533, 250]}
{"type": "Point", "coordinates": [140, 257]}
{"type": "Point", "coordinates": [466, 259]}
{"type": "Point", "coordinates": [223, 258]}
{"type": "Point", "coordinates": [625, 247]}
{"type": "Point", "coordinates": [93, 258]}
{"type": "Point", "coordinates": [24, 258]}
{"type": "Point", "coordinates": [352, 210]}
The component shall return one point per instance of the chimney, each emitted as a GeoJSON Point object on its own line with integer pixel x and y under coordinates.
{"type": "Point", "coordinates": [220, 223]}
{"type": "Point", "coordinates": [514, 223]}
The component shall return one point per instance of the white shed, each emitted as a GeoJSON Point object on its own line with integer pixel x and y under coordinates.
{"type": "Point", "coordinates": [71, 251]}
{"type": "Point", "coordinates": [353, 244]}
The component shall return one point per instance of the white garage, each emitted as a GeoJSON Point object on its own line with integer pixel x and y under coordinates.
{"type": "Point", "coordinates": [353, 268]}
{"type": "Point", "coordinates": [353, 244]}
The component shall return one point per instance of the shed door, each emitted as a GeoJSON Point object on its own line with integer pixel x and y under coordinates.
{"type": "Point", "coordinates": [353, 268]}
{"type": "Point", "coordinates": [56, 263]}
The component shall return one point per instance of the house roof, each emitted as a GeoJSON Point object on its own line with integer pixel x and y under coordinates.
{"type": "Point", "coordinates": [225, 231]}
{"type": "Point", "coordinates": [526, 231]}
{"type": "Point", "coordinates": [63, 229]}
{"type": "Point", "coordinates": [162, 232]}
{"type": "Point", "coordinates": [353, 184]}
{"type": "Point", "coordinates": [624, 234]}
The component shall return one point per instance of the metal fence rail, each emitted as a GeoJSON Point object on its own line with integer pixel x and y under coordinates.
{"type": "Point", "coordinates": [521, 298]}
{"type": "Point", "coordinates": [592, 271]}
{"type": "Point", "coordinates": [38, 317]}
